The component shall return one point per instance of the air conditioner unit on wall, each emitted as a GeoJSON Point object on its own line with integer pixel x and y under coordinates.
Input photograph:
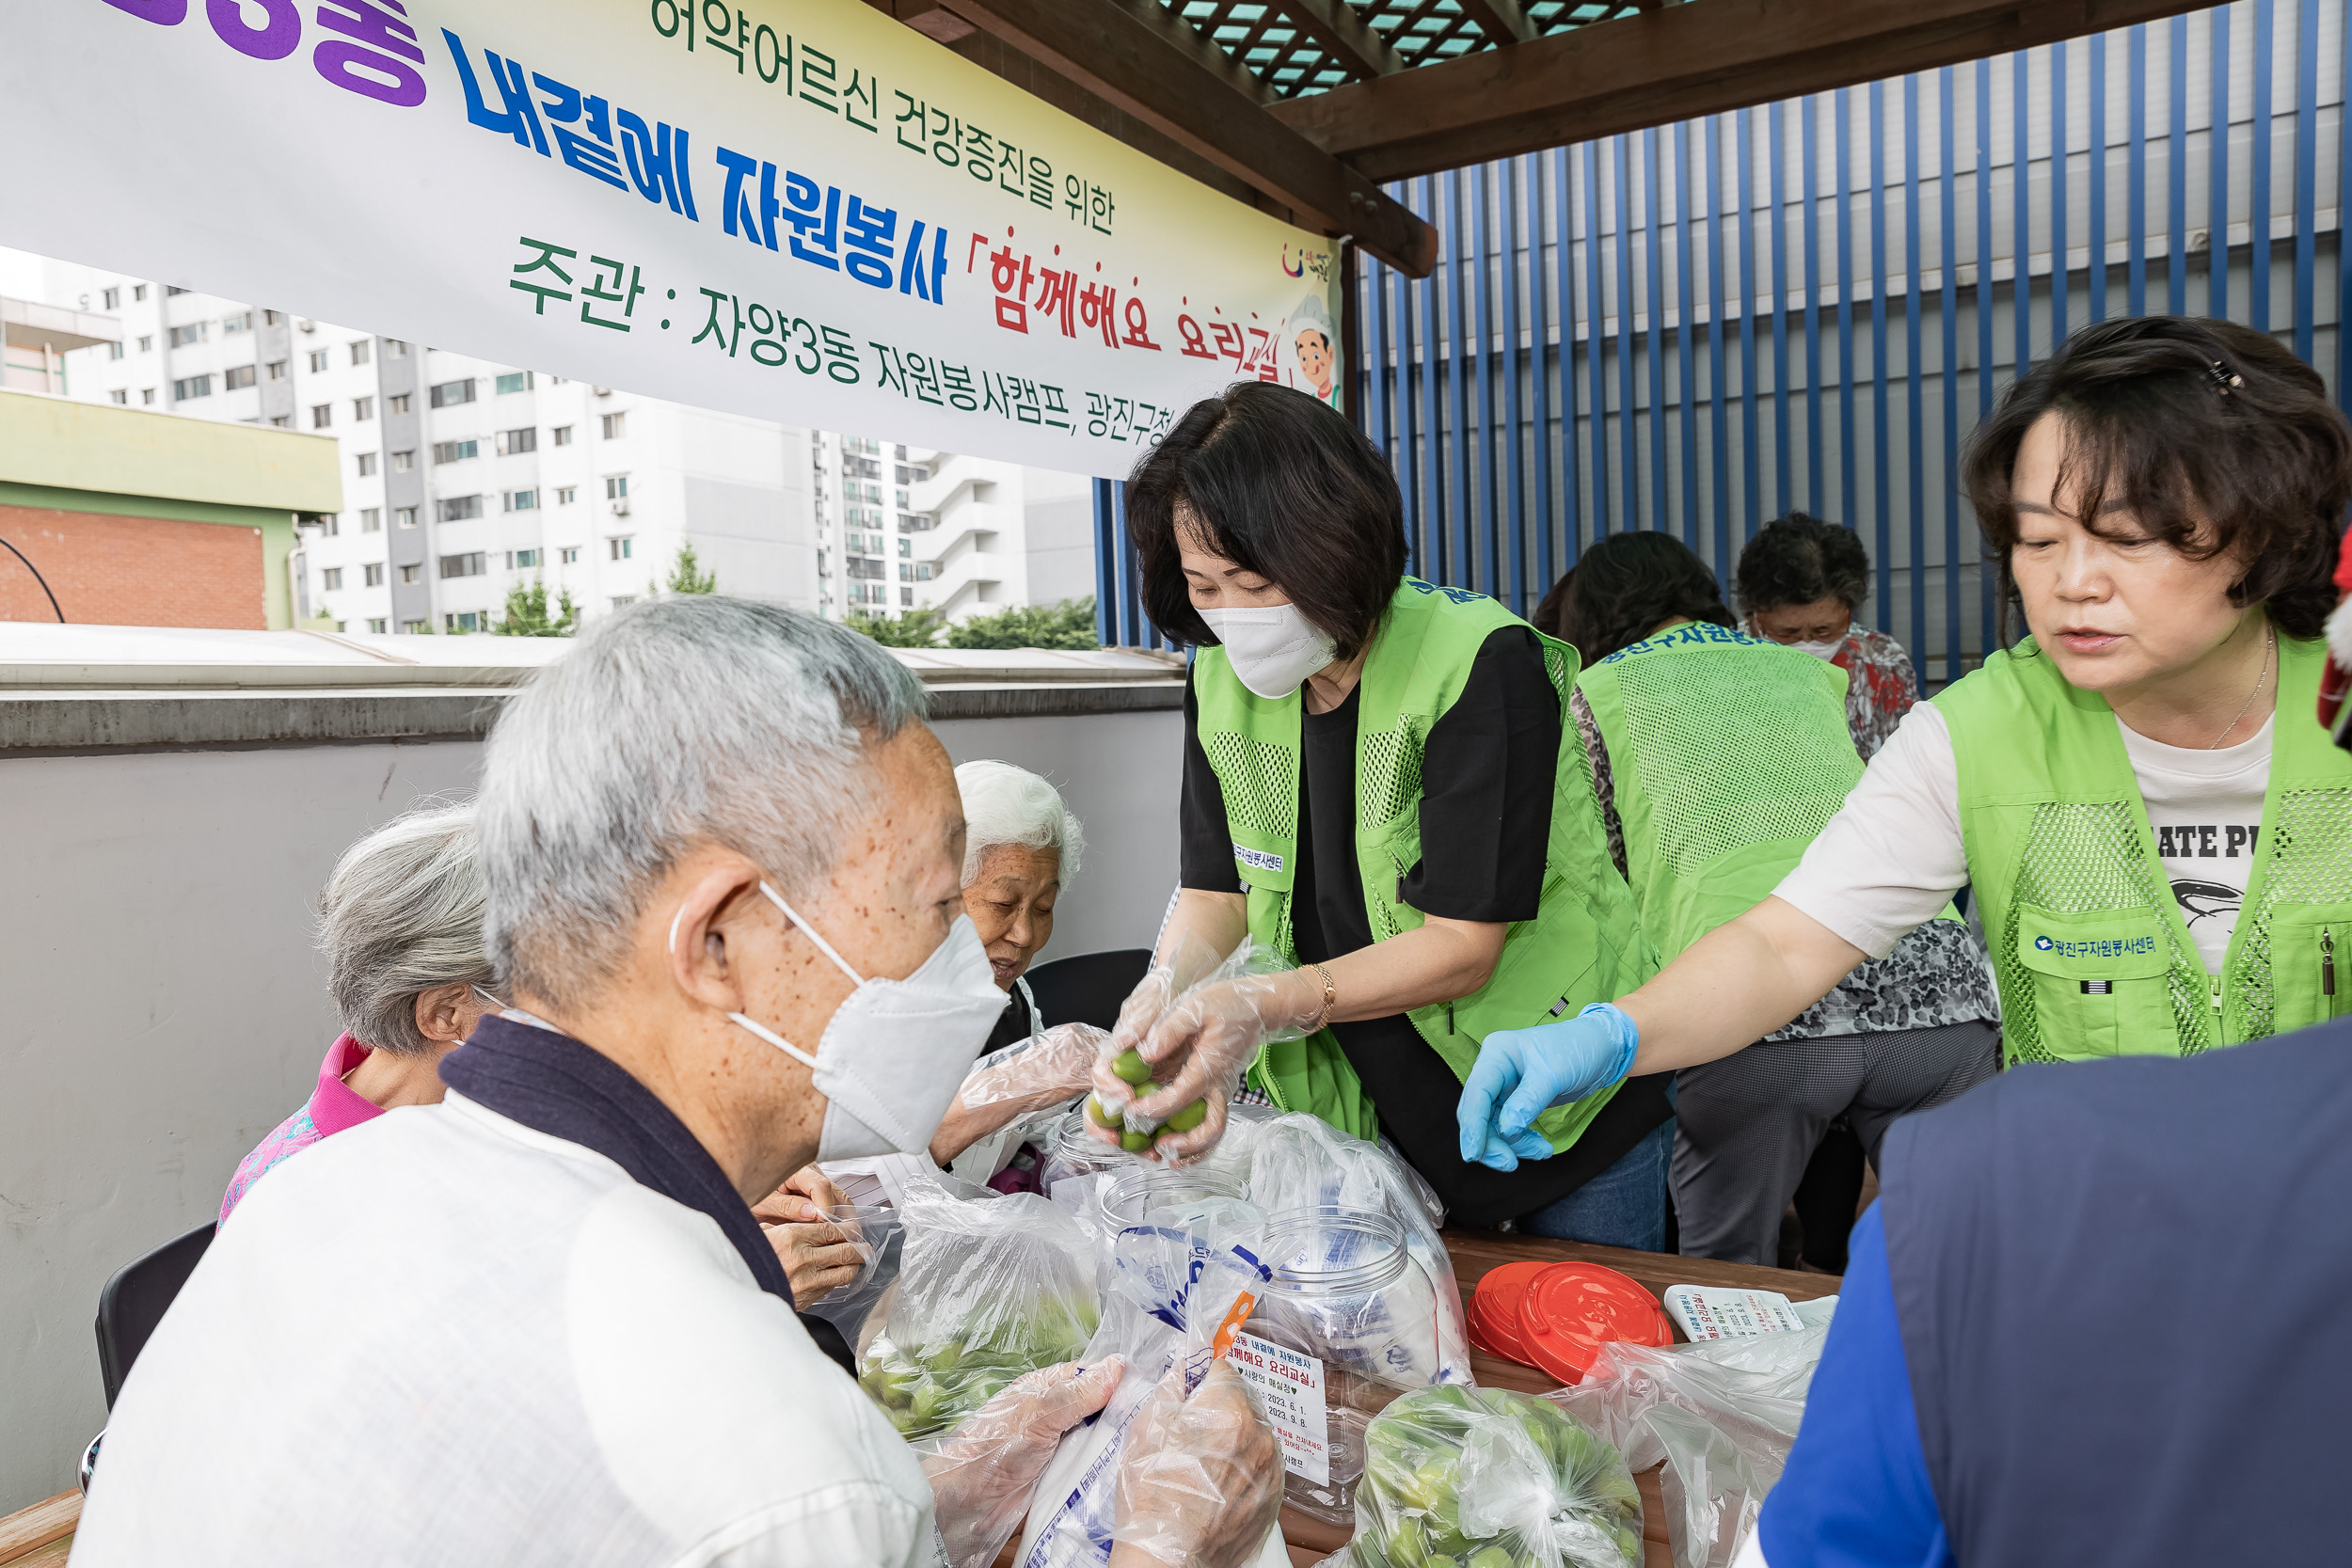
{"type": "Point", "coordinates": [601, 391]}
{"type": "Point", "coordinates": [620, 508]}
{"type": "Point", "coordinates": [305, 324]}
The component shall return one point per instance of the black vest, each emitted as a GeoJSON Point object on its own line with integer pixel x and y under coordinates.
{"type": "Point", "coordinates": [2122, 1289]}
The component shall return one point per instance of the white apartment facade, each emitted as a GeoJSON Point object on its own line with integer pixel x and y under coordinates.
{"type": "Point", "coordinates": [464, 478]}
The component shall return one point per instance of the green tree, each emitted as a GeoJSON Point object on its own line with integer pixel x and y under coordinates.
{"type": "Point", "coordinates": [526, 612]}
{"type": "Point", "coordinates": [687, 575]}
{"type": "Point", "coordinates": [915, 628]}
{"type": "Point", "coordinates": [1067, 624]}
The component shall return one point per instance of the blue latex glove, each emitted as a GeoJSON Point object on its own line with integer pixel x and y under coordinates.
{"type": "Point", "coordinates": [1529, 1070]}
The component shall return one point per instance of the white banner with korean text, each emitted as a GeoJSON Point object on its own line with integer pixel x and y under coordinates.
{"type": "Point", "coordinates": [799, 210]}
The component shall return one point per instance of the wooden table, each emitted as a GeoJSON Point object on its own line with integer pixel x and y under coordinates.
{"type": "Point", "coordinates": [1474, 1252]}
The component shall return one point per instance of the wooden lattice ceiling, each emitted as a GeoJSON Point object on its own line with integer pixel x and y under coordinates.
{"type": "Point", "coordinates": [1297, 47]}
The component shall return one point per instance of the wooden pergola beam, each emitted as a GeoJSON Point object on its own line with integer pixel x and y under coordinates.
{"type": "Point", "coordinates": [1337, 27]}
{"type": "Point", "coordinates": [1501, 21]}
{"type": "Point", "coordinates": [1133, 54]}
{"type": "Point", "coordinates": [1677, 63]}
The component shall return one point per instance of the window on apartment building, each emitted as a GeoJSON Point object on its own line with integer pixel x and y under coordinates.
{"type": "Point", "coordinates": [622, 548]}
{"type": "Point", "coordinates": [408, 573]}
{"type": "Point", "coordinates": [372, 575]}
{"type": "Point", "coordinates": [416, 628]}
{"type": "Point", "coordinates": [465, 620]}
{"type": "Point", "coordinates": [236, 378]}
{"type": "Point", "coordinates": [371, 519]}
{"type": "Point", "coordinates": [360, 351]}
{"type": "Point", "coordinates": [523, 500]}
{"type": "Point", "coordinates": [146, 342]}
{"type": "Point", "coordinates": [113, 298]}
{"type": "Point", "coordinates": [330, 525]}
{"type": "Point", "coordinates": [455, 451]}
{"type": "Point", "coordinates": [448, 394]}
{"type": "Point", "coordinates": [114, 350]}
{"type": "Point", "coordinates": [566, 494]}
{"type": "Point", "coordinates": [271, 317]}
{"type": "Point", "coordinates": [189, 387]}
{"type": "Point", "coordinates": [281, 422]}
{"type": "Point", "coordinates": [621, 601]}
{"type": "Point", "coordinates": [616, 487]}
{"type": "Point", "coordinates": [362, 410]}
{"type": "Point", "coordinates": [906, 546]}
{"type": "Point", "coordinates": [404, 516]}
{"type": "Point", "coordinates": [138, 291]}
{"type": "Point", "coordinates": [513, 442]}
{"type": "Point", "coordinates": [404, 462]}
{"type": "Point", "coordinates": [473, 563]}
{"type": "Point", "coordinates": [332, 579]}
{"type": "Point", "coordinates": [322, 416]}
{"type": "Point", "coordinates": [513, 381]}
{"type": "Point", "coordinates": [911, 476]}
{"type": "Point", "coordinates": [522, 560]}
{"type": "Point", "coordinates": [456, 509]}
{"type": "Point", "coordinates": [192, 333]}
{"type": "Point", "coordinates": [276, 369]}
{"type": "Point", "coordinates": [615, 425]}
{"type": "Point", "coordinates": [568, 555]}
{"type": "Point", "coordinates": [367, 464]}
{"type": "Point", "coordinates": [318, 361]}
{"type": "Point", "coordinates": [561, 434]}
{"type": "Point", "coordinates": [375, 625]}
{"type": "Point", "coordinates": [240, 321]}
{"type": "Point", "coordinates": [395, 349]}
{"type": "Point", "coordinates": [906, 596]}
{"type": "Point", "coordinates": [147, 394]}
{"type": "Point", "coordinates": [914, 522]}
{"type": "Point", "coordinates": [121, 394]}
{"type": "Point", "coordinates": [397, 403]}
{"type": "Point", "coordinates": [858, 566]}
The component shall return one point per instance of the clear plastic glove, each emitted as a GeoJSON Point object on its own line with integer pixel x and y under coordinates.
{"type": "Point", "coordinates": [1197, 1052]}
{"type": "Point", "coordinates": [1187, 961]}
{"type": "Point", "coordinates": [818, 1257]}
{"type": "Point", "coordinates": [1522, 1072]}
{"type": "Point", "coordinates": [1052, 1070]}
{"type": "Point", "coordinates": [982, 1473]}
{"type": "Point", "coordinates": [1200, 1481]}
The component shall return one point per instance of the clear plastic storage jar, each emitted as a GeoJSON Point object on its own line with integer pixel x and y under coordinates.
{"type": "Point", "coordinates": [1348, 1323]}
{"type": "Point", "coordinates": [1133, 1194]}
{"type": "Point", "coordinates": [1076, 1164]}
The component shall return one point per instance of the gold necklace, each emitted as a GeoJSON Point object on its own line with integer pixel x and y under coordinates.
{"type": "Point", "coordinates": [2270, 642]}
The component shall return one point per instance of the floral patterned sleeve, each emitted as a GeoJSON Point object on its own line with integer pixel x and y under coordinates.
{"type": "Point", "coordinates": [1604, 786]}
{"type": "Point", "coordinates": [1880, 687]}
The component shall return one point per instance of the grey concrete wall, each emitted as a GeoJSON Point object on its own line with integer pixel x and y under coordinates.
{"type": "Point", "coordinates": [164, 1008]}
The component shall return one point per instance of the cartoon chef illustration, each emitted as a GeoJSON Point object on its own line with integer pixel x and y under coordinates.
{"type": "Point", "coordinates": [1312, 335]}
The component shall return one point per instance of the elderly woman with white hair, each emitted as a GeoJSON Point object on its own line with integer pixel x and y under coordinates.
{"type": "Point", "coordinates": [1021, 852]}
{"type": "Point", "coordinates": [538, 1324]}
{"type": "Point", "coordinates": [400, 926]}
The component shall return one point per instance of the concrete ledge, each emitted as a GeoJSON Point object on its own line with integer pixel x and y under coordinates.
{"type": "Point", "coordinates": [76, 722]}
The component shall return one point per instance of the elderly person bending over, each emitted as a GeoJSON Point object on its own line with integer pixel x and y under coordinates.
{"type": "Point", "coordinates": [1020, 850]}
{"type": "Point", "coordinates": [538, 1324]}
{"type": "Point", "coordinates": [401, 925]}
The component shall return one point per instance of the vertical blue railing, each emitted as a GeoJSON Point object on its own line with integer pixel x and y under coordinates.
{"type": "Point", "coordinates": [1699, 326]}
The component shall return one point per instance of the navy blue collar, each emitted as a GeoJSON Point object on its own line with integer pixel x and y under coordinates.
{"type": "Point", "coordinates": [552, 1083]}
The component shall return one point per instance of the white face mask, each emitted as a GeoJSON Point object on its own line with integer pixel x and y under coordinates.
{"type": "Point", "coordinates": [1274, 650]}
{"type": "Point", "coordinates": [1819, 650]}
{"type": "Point", "coordinates": [896, 1051]}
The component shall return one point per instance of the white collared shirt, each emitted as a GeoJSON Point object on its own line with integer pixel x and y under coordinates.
{"type": "Point", "coordinates": [446, 1338]}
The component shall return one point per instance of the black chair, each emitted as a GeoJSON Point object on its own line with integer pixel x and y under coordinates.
{"type": "Point", "coordinates": [135, 1300]}
{"type": "Point", "coordinates": [1087, 987]}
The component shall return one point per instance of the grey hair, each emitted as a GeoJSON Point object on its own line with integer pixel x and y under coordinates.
{"type": "Point", "coordinates": [1003, 804]}
{"type": "Point", "coordinates": [400, 915]}
{"type": "Point", "coordinates": [696, 719]}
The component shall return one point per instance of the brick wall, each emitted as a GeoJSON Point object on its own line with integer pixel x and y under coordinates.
{"type": "Point", "coordinates": [112, 570]}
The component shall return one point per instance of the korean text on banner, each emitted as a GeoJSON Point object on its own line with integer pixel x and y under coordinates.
{"type": "Point", "coordinates": [805, 212]}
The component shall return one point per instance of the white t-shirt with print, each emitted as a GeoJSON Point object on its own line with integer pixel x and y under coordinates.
{"type": "Point", "coordinates": [1893, 854]}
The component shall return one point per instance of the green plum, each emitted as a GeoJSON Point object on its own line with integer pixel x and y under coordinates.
{"type": "Point", "coordinates": [1130, 1068]}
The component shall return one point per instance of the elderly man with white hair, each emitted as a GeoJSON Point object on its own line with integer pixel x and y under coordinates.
{"type": "Point", "coordinates": [537, 1323]}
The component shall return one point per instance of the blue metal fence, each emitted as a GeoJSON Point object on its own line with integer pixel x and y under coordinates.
{"type": "Point", "coordinates": [1807, 305]}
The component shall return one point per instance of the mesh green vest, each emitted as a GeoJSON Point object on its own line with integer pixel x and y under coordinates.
{"type": "Point", "coordinates": [2088, 941]}
{"type": "Point", "coordinates": [1712, 821]}
{"type": "Point", "coordinates": [1583, 945]}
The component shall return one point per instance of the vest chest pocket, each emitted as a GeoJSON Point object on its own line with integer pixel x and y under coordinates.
{"type": "Point", "coordinates": [2311, 963]}
{"type": "Point", "coordinates": [2099, 986]}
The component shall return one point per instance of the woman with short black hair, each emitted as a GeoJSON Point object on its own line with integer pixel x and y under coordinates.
{"type": "Point", "coordinates": [2158, 872]}
{"type": "Point", "coordinates": [1380, 786]}
{"type": "Point", "coordinates": [1716, 758]}
{"type": "Point", "coordinates": [1800, 581]}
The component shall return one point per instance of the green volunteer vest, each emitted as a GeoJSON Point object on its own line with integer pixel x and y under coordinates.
{"type": "Point", "coordinates": [1713, 820]}
{"type": "Point", "coordinates": [2088, 940]}
{"type": "Point", "coordinates": [1583, 945]}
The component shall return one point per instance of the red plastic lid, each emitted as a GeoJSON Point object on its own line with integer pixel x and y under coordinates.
{"type": "Point", "coordinates": [1571, 1309]}
{"type": "Point", "coordinates": [1494, 1309]}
